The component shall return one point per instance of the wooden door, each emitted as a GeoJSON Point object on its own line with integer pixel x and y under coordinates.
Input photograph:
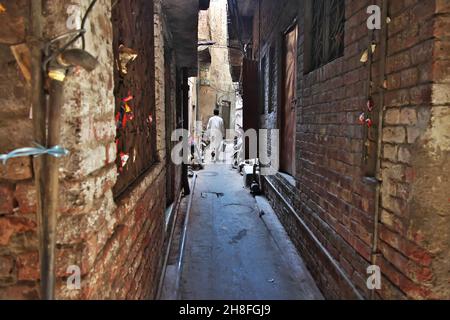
{"type": "Point", "coordinates": [250, 98]}
{"type": "Point", "coordinates": [226, 113]}
{"type": "Point", "coordinates": [289, 104]}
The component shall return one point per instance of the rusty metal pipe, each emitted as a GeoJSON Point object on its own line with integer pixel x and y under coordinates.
{"type": "Point", "coordinates": [50, 204]}
{"type": "Point", "coordinates": [46, 168]}
{"type": "Point", "coordinates": [40, 134]}
{"type": "Point", "coordinates": [51, 190]}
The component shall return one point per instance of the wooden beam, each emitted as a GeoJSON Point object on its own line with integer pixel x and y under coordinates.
{"type": "Point", "coordinates": [22, 54]}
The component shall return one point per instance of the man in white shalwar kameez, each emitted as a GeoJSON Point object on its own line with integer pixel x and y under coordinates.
{"type": "Point", "coordinates": [216, 132]}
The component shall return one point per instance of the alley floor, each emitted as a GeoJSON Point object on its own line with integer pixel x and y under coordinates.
{"type": "Point", "coordinates": [231, 252]}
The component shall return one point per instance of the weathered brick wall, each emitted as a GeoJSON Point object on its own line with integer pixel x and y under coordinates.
{"type": "Point", "coordinates": [117, 243]}
{"type": "Point", "coordinates": [415, 221]}
{"type": "Point", "coordinates": [18, 237]}
{"type": "Point", "coordinates": [333, 201]}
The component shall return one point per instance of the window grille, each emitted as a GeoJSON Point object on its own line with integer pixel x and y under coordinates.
{"type": "Point", "coordinates": [327, 32]}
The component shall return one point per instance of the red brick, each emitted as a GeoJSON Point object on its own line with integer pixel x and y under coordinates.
{"type": "Point", "coordinates": [422, 52]}
{"type": "Point", "coordinates": [392, 116]}
{"type": "Point", "coordinates": [25, 195]}
{"type": "Point", "coordinates": [441, 69]}
{"type": "Point", "coordinates": [393, 222]}
{"type": "Point", "coordinates": [10, 226]}
{"type": "Point", "coordinates": [399, 62]}
{"type": "Point", "coordinates": [6, 266]}
{"type": "Point", "coordinates": [6, 199]}
{"type": "Point", "coordinates": [66, 257]}
{"type": "Point", "coordinates": [408, 116]}
{"type": "Point", "coordinates": [442, 6]}
{"type": "Point", "coordinates": [409, 77]}
{"type": "Point", "coordinates": [394, 134]}
{"type": "Point", "coordinates": [409, 249]}
{"type": "Point", "coordinates": [20, 292]}
{"type": "Point", "coordinates": [441, 27]}
{"type": "Point", "coordinates": [17, 169]}
{"type": "Point", "coordinates": [421, 95]}
{"type": "Point", "coordinates": [408, 287]}
{"type": "Point", "coordinates": [28, 266]}
{"type": "Point", "coordinates": [397, 98]}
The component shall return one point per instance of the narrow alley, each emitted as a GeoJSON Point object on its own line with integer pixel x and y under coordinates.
{"type": "Point", "coordinates": [233, 253]}
{"type": "Point", "coordinates": [190, 150]}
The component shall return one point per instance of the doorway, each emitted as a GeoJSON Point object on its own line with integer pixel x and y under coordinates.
{"type": "Point", "coordinates": [225, 111]}
{"type": "Point", "coordinates": [289, 102]}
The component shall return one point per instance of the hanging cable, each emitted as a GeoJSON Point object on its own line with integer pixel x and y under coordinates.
{"type": "Point", "coordinates": [80, 34]}
{"type": "Point", "coordinates": [83, 22]}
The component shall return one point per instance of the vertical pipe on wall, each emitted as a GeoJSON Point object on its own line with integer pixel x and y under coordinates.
{"type": "Point", "coordinates": [185, 112]}
{"type": "Point", "coordinates": [382, 87]}
{"type": "Point", "coordinates": [39, 126]}
{"type": "Point", "coordinates": [51, 189]}
{"type": "Point", "coordinates": [197, 103]}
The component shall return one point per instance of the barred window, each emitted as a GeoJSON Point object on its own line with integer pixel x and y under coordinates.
{"type": "Point", "coordinates": [134, 82]}
{"type": "Point", "coordinates": [264, 84]}
{"type": "Point", "coordinates": [325, 29]}
{"type": "Point", "coordinates": [273, 79]}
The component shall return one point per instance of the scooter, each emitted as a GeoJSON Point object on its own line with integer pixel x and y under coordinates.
{"type": "Point", "coordinates": [204, 143]}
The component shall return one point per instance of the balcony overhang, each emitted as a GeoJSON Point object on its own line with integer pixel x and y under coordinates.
{"type": "Point", "coordinates": [240, 29]}
{"type": "Point", "coordinates": [182, 17]}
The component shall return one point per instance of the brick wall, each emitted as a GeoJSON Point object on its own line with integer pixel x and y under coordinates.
{"type": "Point", "coordinates": [415, 220]}
{"type": "Point", "coordinates": [18, 237]}
{"type": "Point", "coordinates": [334, 204]}
{"type": "Point", "coordinates": [117, 243]}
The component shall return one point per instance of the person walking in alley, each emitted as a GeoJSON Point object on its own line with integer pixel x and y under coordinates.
{"type": "Point", "coordinates": [216, 132]}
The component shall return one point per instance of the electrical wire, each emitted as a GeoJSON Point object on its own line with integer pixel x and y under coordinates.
{"type": "Point", "coordinates": [83, 23]}
{"type": "Point", "coordinates": [81, 34]}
